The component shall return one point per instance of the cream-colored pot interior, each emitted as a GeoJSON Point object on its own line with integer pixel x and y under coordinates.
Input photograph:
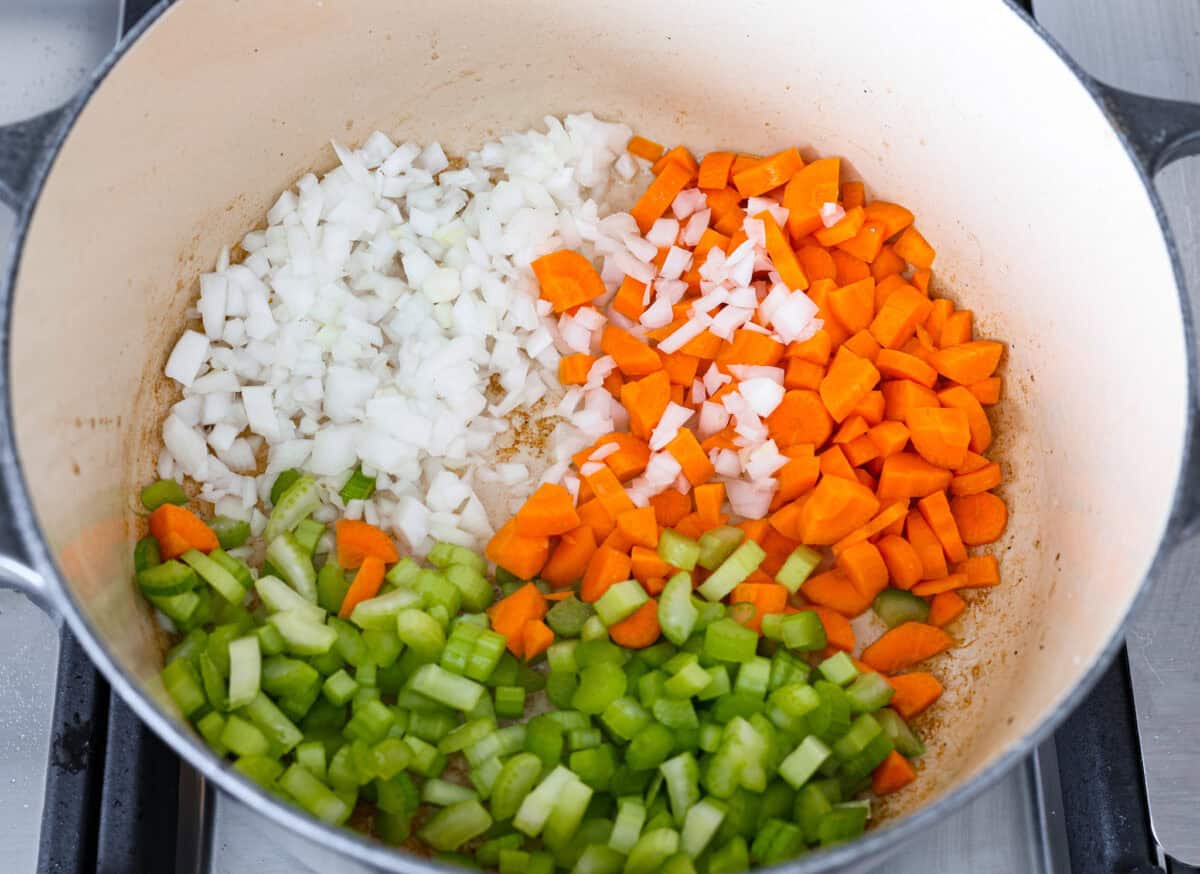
{"type": "Point", "coordinates": [959, 110]}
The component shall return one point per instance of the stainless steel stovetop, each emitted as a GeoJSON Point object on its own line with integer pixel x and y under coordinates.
{"type": "Point", "coordinates": [47, 47]}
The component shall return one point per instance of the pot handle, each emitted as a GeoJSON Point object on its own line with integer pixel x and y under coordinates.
{"type": "Point", "coordinates": [22, 146]}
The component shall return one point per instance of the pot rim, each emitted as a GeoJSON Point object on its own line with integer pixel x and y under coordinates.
{"type": "Point", "coordinates": [875, 844]}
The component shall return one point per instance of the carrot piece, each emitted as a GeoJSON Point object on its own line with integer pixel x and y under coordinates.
{"type": "Point", "coordinates": [816, 348]}
{"type": "Point", "coordinates": [639, 630]}
{"type": "Point", "coordinates": [906, 645]}
{"type": "Point", "coordinates": [871, 407]}
{"type": "Point", "coordinates": [854, 305]}
{"type": "Point", "coordinates": [835, 508]}
{"type": "Point", "coordinates": [859, 451]}
{"type": "Point", "coordinates": [880, 522]}
{"type": "Point", "coordinates": [669, 507]}
{"type": "Point", "coordinates": [834, 590]}
{"type": "Point", "coordinates": [647, 564]}
{"type": "Point", "coordinates": [849, 379]}
{"type": "Point", "coordinates": [944, 608]}
{"type": "Point", "coordinates": [658, 195]}
{"type": "Point", "coordinates": [521, 555]}
{"type": "Point", "coordinates": [356, 540]}
{"type": "Point", "coordinates": [692, 525]}
{"type": "Point", "coordinates": [678, 155]}
{"type": "Point", "coordinates": [940, 434]}
{"type": "Point", "coordinates": [573, 369]}
{"type": "Point", "coordinates": [936, 511]}
{"type": "Point", "coordinates": [987, 391]}
{"type": "Point", "coordinates": [569, 558]}
{"type": "Point", "coordinates": [981, 570]}
{"type": "Point", "coordinates": [816, 263]}
{"type": "Point", "coordinates": [915, 692]}
{"type": "Point", "coordinates": [803, 374]}
{"type": "Point", "coordinates": [908, 475]}
{"type": "Point", "coordinates": [982, 480]}
{"type": "Point", "coordinates": [633, 357]}
{"type": "Point", "coordinates": [914, 249]}
{"type": "Point", "coordinates": [608, 489]}
{"type": "Point", "coordinates": [785, 261]}
{"type": "Point", "coordinates": [903, 563]}
{"type": "Point", "coordinates": [639, 526]}
{"type": "Point", "coordinates": [786, 519]}
{"type": "Point", "coordinates": [681, 369]}
{"type": "Point", "coordinates": [536, 637]}
{"type": "Point", "coordinates": [646, 399]}
{"type": "Point", "coordinates": [928, 547]}
{"type": "Point", "coordinates": [863, 565]}
{"type": "Point", "coordinates": [691, 457]}
{"type": "Point", "coordinates": [766, 598]}
{"type": "Point", "coordinates": [640, 147]}
{"type": "Point", "coordinates": [948, 583]}
{"type": "Point", "coordinates": [866, 245]}
{"type": "Point", "coordinates": [628, 461]}
{"type": "Point", "coordinates": [921, 280]}
{"type": "Point", "coordinates": [838, 632]}
{"type": "Point", "coordinates": [892, 775]}
{"type": "Point", "coordinates": [846, 228]}
{"type": "Point", "coordinates": [936, 320]}
{"type": "Point", "coordinates": [981, 518]}
{"type": "Point", "coordinates": [968, 362]}
{"type": "Point", "coordinates": [593, 514]}
{"type": "Point", "coordinates": [889, 437]}
{"type": "Point", "coordinates": [769, 173]}
{"type": "Point", "coordinates": [963, 399]}
{"type": "Point", "coordinates": [848, 269]}
{"type": "Point", "coordinates": [750, 347]}
{"type": "Point", "coordinates": [365, 585]}
{"type": "Point", "coordinates": [897, 318]}
{"type": "Point", "coordinates": [629, 297]}
{"type": "Point", "coordinates": [727, 212]}
{"type": "Point", "coordinates": [813, 186]}
{"type": "Point", "coordinates": [834, 463]}
{"type": "Point", "coordinates": [618, 540]}
{"type": "Point", "coordinates": [607, 566]}
{"type": "Point", "coordinates": [567, 279]}
{"type": "Point", "coordinates": [709, 497]}
{"type": "Point", "coordinates": [887, 262]}
{"type": "Point", "coordinates": [894, 364]}
{"type": "Point", "coordinates": [510, 615]}
{"type": "Point", "coordinates": [548, 511]}
{"type": "Point", "coordinates": [851, 429]}
{"type": "Point", "coordinates": [796, 477]}
{"type": "Point", "coordinates": [894, 217]}
{"type": "Point", "coordinates": [863, 345]}
{"type": "Point", "coordinates": [178, 530]}
{"type": "Point", "coordinates": [902, 395]}
{"type": "Point", "coordinates": [714, 170]}
{"type": "Point", "coordinates": [853, 194]}
{"type": "Point", "coordinates": [801, 417]}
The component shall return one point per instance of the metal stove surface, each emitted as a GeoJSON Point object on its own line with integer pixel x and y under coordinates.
{"type": "Point", "coordinates": [48, 46]}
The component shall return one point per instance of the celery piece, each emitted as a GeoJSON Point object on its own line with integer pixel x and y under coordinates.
{"type": "Point", "coordinates": [283, 482]}
{"type": "Point", "coordinates": [536, 806]}
{"type": "Point", "coordinates": [184, 686]}
{"type": "Point", "coordinates": [402, 573]}
{"type": "Point", "coordinates": [797, 568]}
{"type": "Point", "coordinates": [839, 668]}
{"type": "Point", "coordinates": [700, 825]}
{"type": "Point", "coordinates": [302, 635]}
{"type": "Point", "coordinates": [383, 610]}
{"type": "Point", "coordinates": [475, 591]}
{"type": "Point", "coordinates": [545, 739]}
{"type": "Point", "coordinates": [627, 828]}
{"type": "Point", "coordinates": [359, 487]}
{"type": "Point", "coordinates": [869, 692]}
{"type": "Point", "coordinates": [718, 544]}
{"type": "Point", "coordinates": [727, 641]}
{"type": "Point", "coordinates": [682, 776]}
{"type": "Point", "coordinates": [594, 629]}
{"type": "Point", "coordinates": [308, 534]}
{"type": "Point", "coordinates": [446, 688]}
{"type": "Point", "coordinates": [650, 747]}
{"type": "Point", "coordinates": [620, 602]}
{"type": "Point", "coordinates": [231, 533]}
{"type": "Point", "coordinates": [676, 612]}
{"type": "Point", "coordinates": [561, 688]}
{"type": "Point", "coordinates": [895, 607]}
{"type": "Point", "coordinates": [444, 555]}
{"type": "Point", "coordinates": [167, 579]}
{"type": "Point", "coordinates": [842, 823]}
{"type": "Point", "coordinates": [421, 634]}
{"type": "Point", "coordinates": [862, 731]}
{"type": "Point", "coordinates": [292, 560]}
{"type": "Point", "coordinates": [561, 657]}
{"type": "Point", "coordinates": [599, 686]}
{"type": "Point", "coordinates": [164, 491]}
{"type": "Point", "coordinates": [567, 813]}
{"type": "Point", "coordinates": [905, 740]}
{"type": "Point", "coordinates": [742, 562]}
{"type": "Point", "coordinates": [624, 718]}
{"type": "Point", "coordinates": [278, 597]}
{"type": "Point", "coordinates": [273, 722]}
{"type": "Point", "coordinates": [567, 617]}
{"type": "Point", "coordinates": [146, 554]}
{"type": "Point", "coordinates": [244, 739]}
{"type": "Point", "coordinates": [803, 631]}
{"type": "Point", "coordinates": [245, 670]}
{"type": "Point", "coordinates": [678, 550]}
{"type": "Point", "coordinates": [786, 669]}
{"type": "Point", "coordinates": [297, 501]}
{"type": "Point", "coordinates": [803, 761]}
{"type": "Point", "coordinates": [510, 702]}
{"type": "Point", "coordinates": [443, 793]}
{"type": "Point", "coordinates": [753, 677]}
{"type": "Point", "coordinates": [651, 851]}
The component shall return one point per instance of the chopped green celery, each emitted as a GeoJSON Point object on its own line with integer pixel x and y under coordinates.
{"type": "Point", "coordinates": [707, 612]}
{"type": "Point", "coordinates": [726, 641]}
{"type": "Point", "coordinates": [688, 681]}
{"type": "Point", "coordinates": [426, 760]}
{"type": "Point", "coordinates": [718, 683]}
{"type": "Point", "coordinates": [453, 826]}
{"type": "Point", "coordinates": [507, 740]}
{"type": "Point", "coordinates": [432, 725]}
{"type": "Point", "coordinates": [677, 613]}
{"type": "Point", "coordinates": [905, 740]}
{"type": "Point", "coordinates": [311, 755]}
{"type": "Point", "coordinates": [787, 669]}
{"type": "Point", "coordinates": [164, 491]}
{"type": "Point", "coordinates": [421, 634]}
{"type": "Point", "coordinates": [631, 816]}
{"type": "Point", "coordinates": [842, 823]}
{"type": "Point", "coordinates": [772, 626]}
{"type": "Point", "coordinates": [302, 635]}
{"type": "Point", "coordinates": [650, 747]}
{"type": "Point", "coordinates": [444, 555]}
{"type": "Point", "coordinates": [465, 735]}
{"type": "Point", "coordinates": [594, 629]}
{"type": "Point", "coordinates": [513, 862]}
{"type": "Point", "coordinates": [803, 631]}
{"type": "Point", "coordinates": [243, 738]}
{"type": "Point", "coordinates": [798, 567]}
{"type": "Point", "coordinates": [308, 534]}
{"type": "Point", "coordinates": [444, 793]}
{"type": "Point", "coordinates": [273, 722]}
{"type": "Point", "coordinates": [545, 739]}
{"type": "Point", "coordinates": [700, 825]}
{"type": "Point", "coordinates": [567, 813]}
{"type": "Point", "coordinates": [270, 641]}
{"type": "Point", "coordinates": [710, 736]}
{"type": "Point", "coordinates": [217, 648]}
{"type": "Point", "coordinates": [678, 550]}
{"type": "Point", "coordinates": [350, 646]}
{"type": "Point", "coordinates": [583, 738]}
{"type": "Point", "coordinates": [624, 718]}
{"type": "Point", "coordinates": [383, 646]}
{"type": "Point", "coordinates": [358, 487]}
{"type": "Point", "coordinates": [297, 500]}
{"type": "Point", "coordinates": [486, 656]}
{"type": "Point", "coordinates": [651, 687]}
{"type": "Point", "coordinates": [190, 647]}
{"type": "Point", "coordinates": [437, 591]}
{"type": "Point", "coordinates": [598, 859]}
{"type": "Point", "coordinates": [231, 533]}
{"type": "Point", "coordinates": [167, 579]}
{"type": "Point", "coordinates": [146, 554]}
{"type": "Point", "coordinates": [839, 668]}
{"type": "Point", "coordinates": [475, 592]}
{"type": "Point", "coordinates": [341, 772]}
{"type": "Point", "coordinates": [282, 483]}
{"type": "Point", "coordinates": [680, 863]}
{"type": "Point", "coordinates": [561, 688]}
{"type": "Point", "coordinates": [182, 682]}
{"type": "Point", "coordinates": [488, 854]}
{"type": "Point", "coordinates": [594, 652]}
{"type": "Point", "coordinates": [753, 677]}
{"type": "Point", "coordinates": [831, 718]}
{"type": "Point", "coordinates": [393, 828]}
{"type": "Point", "coordinates": [651, 851]}
{"type": "Point", "coordinates": [682, 776]}
{"type": "Point", "coordinates": [403, 573]}
{"type": "Point", "coordinates": [510, 702]}
{"type": "Point", "coordinates": [800, 765]}
{"type": "Point", "coordinates": [860, 766]}
{"type": "Point", "coordinates": [484, 775]}
{"type": "Point", "coordinates": [291, 559]}
{"type": "Point", "coordinates": [535, 807]}
{"type": "Point", "coordinates": [675, 713]}
{"type": "Point", "coordinates": [397, 794]}
{"type": "Point", "coordinates": [279, 597]}
{"type": "Point", "coordinates": [245, 670]}
{"type": "Point", "coordinates": [263, 770]}
{"type": "Point", "coordinates": [796, 699]}
{"type": "Point", "coordinates": [529, 679]}
{"type": "Point", "coordinates": [214, 682]}
{"type": "Point", "coordinates": [811, 807]}
{"type": "Point", "coordinates": [599, 685]}
{"type": "Point", "coordinates": [862, 731]}
{"type": "Point", "coordinates": [896, 606]}
{"type": "Point", "coordinates": [869, 692]}
{"type": "Point", "coordinates": [561, 656]}
{"type": "Point", "coordinates": [567, 617]}
{"type": "Point", "coordinates": [446, 688]}
{"type": "Point", "coordinates": [742, 562]}
{"type": "Point", "coordinates": [717, 544]}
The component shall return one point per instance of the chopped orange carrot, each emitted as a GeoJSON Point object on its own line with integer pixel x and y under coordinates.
{"type": "Point", "coordinates": [691, 457]}
{"type": "Point", "coordinates": [847, 382]}
{"type": "Point", "coordinates": [981, 518]}
{"type": "Point", "coordinates": [607, 566]}
{"type": "Point", "coordinates": [178, 530]}
{"type": "Point", "coordinates": [838, 632]}
{"type": "Point", "coordinates": [646, 399]}
{"type": "Point", "coordinates": [569, 558]}
{"type": "Point", "coordinates": [913, 248]}
{"type": "Point", "coordinates": [889, 437]}
{"type": "Point", "coordinates": [808, 190]}
{"type": "Point", "coordinates": [365, 585]}
{"type": "Point", "coordinates": [648, 150]}
{"type": "Point", "coordinates": [593, 514]}
{"type": "Point", "coordinates": [607, 488]}
{"type": "Point", "coordinates": [518, 554]}
{"type": "Point", "coordinates": [567, 279]}
{"type": "Point", "coordinates": [948, 583]}
{"type": "Point", "coordinates": [834, 463]}
{"type": "Point", "coordinates": [945, 607]}
{"type": "Point", "coordinates": [769, 173]}
{"type": "Point", "coordinates": [904, 563]}
{"type": "Point", "coordinates": [928, 547]}
{"type": "Point", "coordinates": [863, 345]}
{"type": "Point", "coordinates": [981, 570]}
{"type": "Point", "coordinates": [780, 250]}
{"type": "Point", "coordinates": [766, 598]}
{"type": "Point", "coordinates": [509, 616]}
{"type": "Point", "coordinates": [887, 516]}
{"type": "Point", "coordinates": [863, 565]}
{"type": "Point", "coordinates": [708, 498]}
{"type": "Point", "coordinates": [548, 511]}
{"type": "Point", "coordinates": [714, 170]}
{"type": "Point", "coordinates": [968, 362]}
{"type": "Point", "coordinates": [678, 155]}
{"type": "Point", "coordinates": [892, 775]}
{"type": "Point", "coordinates": [906, 645]}
{"type": "Point", "coordinates": [801, 417]}
{"type": "Point", "coordinates": [936, 511]}
{"type": "Point", "coordinates": [987, 391]}
{"type": "Point", "coordinates": [803, 374]}
{"type": "Point", "coordinates": [629, 297]}
{"type": "Point", "coordinates": [915, 692]}
{"type": "Point", "coordinates": [639, 526]}
{"type": "Point", "coordinates": [658, 195]}
{"type": "Point", "coordinates": [670, 506]}
{"type": "Point", "coordinates": [835, 508]}
{"type": "Point", "coordinates": [750, 347]}
{"type": "Point", "coordinates": [898, 317]}
{"type": "Point", "coordinates": [573, 369]}
{"type": "Point", "coordinates": [639, 630]}
{"type": "Point", "coordinates": [854, 305]}
{"type": "Point", "coordinates": [887, 262]}
{"type": "Point", "coordinates": [633, 357]}
{"type": "Point", "coordinates": [647, 564]}
{"type": "Point", "coordinates": [908, 475]}
{"type": "Point", "coordinates": [834, 590]}
{"type": "Point", "coordinates": [980, 428]}
{"type": "Point", "coordinates": [536, 638]}
{"type": "Point", "coordinates": [356, 540]}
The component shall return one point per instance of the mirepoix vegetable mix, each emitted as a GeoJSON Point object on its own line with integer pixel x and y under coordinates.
{"type": "Point", "coordinates": [651, 667]}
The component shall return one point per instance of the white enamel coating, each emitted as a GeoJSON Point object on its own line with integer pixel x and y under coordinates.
{"type": "Point", "coordinates": [959, 110]}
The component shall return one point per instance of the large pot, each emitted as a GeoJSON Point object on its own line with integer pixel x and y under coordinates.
{"type": "Point", "coordinates": [1030, 179]}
